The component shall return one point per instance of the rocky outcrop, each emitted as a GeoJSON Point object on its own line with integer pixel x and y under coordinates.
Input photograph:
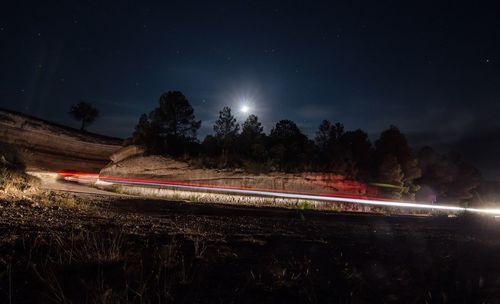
{"type": "Point", "coordinates": [126, 152]}
{"type": "Point", "coordinates": [164, 168]}
{"type": "Point", "coordinates": [42, 145]}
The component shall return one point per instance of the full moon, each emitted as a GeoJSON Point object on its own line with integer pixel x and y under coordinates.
{"type": "Point", "coordinates": [244, 109]}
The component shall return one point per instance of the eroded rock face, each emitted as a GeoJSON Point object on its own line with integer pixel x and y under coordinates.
{"type": "Point", "coordinates": [165, 168]}
{"type": "Point", "coordinates": [43, 145]}
{"type": "Point", "coordinates": [126, 152]}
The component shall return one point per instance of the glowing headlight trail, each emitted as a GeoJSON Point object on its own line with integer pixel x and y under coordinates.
{"type": "Point", "coordinates": [268, 192]}
{"type": "Point", "coordinates": [86, 176]}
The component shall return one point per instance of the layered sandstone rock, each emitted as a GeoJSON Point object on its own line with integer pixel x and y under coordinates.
{"type": "Point", "coordinates": [43, 145]}
{"type": "Point", "coordinates": [165, 168]}
{"type": "Point", "coordinates": [126, 152]}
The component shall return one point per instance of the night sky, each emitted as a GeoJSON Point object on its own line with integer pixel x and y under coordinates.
{"type": "Point", "coordinates": [431, 68]}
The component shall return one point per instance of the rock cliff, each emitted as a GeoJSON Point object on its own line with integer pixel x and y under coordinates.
{"type": "Point", "coordinates": [43, 145]}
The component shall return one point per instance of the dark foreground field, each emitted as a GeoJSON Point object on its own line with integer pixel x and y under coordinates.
{"type": "Point", "coordinates": [144, 251]}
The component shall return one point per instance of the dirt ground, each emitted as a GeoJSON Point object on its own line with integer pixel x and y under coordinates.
{"type": "Point", "coordinates": [88, 248]}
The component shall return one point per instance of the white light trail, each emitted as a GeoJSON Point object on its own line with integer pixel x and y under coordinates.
{"type": "Point", "coordinates": [363, 201]}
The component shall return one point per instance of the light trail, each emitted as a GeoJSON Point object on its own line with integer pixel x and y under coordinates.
{"type": "Point", "coordinates": [218, 187]}
{"type": "Point", "coordinates": [364, 200]}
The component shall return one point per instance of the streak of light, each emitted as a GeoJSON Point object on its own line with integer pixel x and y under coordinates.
{"type": "Point", "coordinates": [69, 174]}
{"type": "Point", "coordinates": [376, 201]}
{"type": "Point", "coordinates": [219, 187]}
{"type": "Point", "coordinates": [77, 174]}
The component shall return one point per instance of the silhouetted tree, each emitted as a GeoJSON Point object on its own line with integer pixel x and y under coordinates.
{"type": "Point", "coordinates": [359, 153]}
{"type": "Point", "coordinates": [332, 153]}
{"type": "Point", "coordinates": [448, 175]}
{"type": "Point", "coordinates": [226, 125]}
{"type": "Point", "coordinates": [391, 174]}
{"type": "Point", "coordinates": [175, 116]}
{"type": "Point", "coordinates": [322, 146]}
{"type": "Point", "coordinates": [468, 179]}
{"type": "Point", "coordinates": [170, 128]}
{"type": "Point", "coordinates": [323, 135]}
{"type": "Point", "coordinates": [211, 146]}
{"type": "Point", "coordinates": [252, 139]}
{"type": "Point", "coordinates": [339, 154]}
{"type": "Point", "coordinates": [85, 113]}
{"type": "Point", "coordinates": [252, 126]}
{"type": "Point", "coordinates": [393, 142]}
{"type": "Point", "coordinates": [337, 131]}
{"type": "Point", "coordinates": [226, 131]}
{"type": "Point", "coordinates": [147, 135]}
{"type": "Point", "coordinates": [290, 148]}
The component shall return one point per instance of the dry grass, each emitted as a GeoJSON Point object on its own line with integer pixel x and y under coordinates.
{"type": "Point", "coordinates": [148, 273]}
{"type": "Point", "coordinates": [246, 200]}
{"type": "Point", "coordinates": [89, 247]}
{"type": "Point", "coordinates": [205, 197]}
{"type": "Point", "coordinates": [60, 200]}
{"type": "Point", "coordinates": [259, 201]}
{"type": "Point", "coordinates": [19, 188]}
{"type": "Point", "coordinates": [14, 182]}
{"type": "Point", "coordinates": [59, 250]}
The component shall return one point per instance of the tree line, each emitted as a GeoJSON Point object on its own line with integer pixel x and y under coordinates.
{"type": "Point", "coordinates": [171, 129]}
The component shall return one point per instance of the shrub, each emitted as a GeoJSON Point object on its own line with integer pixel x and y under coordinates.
{"type": "Point", "coordinates": [14, 180]}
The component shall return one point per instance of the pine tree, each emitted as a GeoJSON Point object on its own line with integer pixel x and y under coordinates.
{"type": "Point", "coordinates": [170, 128]}
{"type": "Point", "coordinates": [226, 124]}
